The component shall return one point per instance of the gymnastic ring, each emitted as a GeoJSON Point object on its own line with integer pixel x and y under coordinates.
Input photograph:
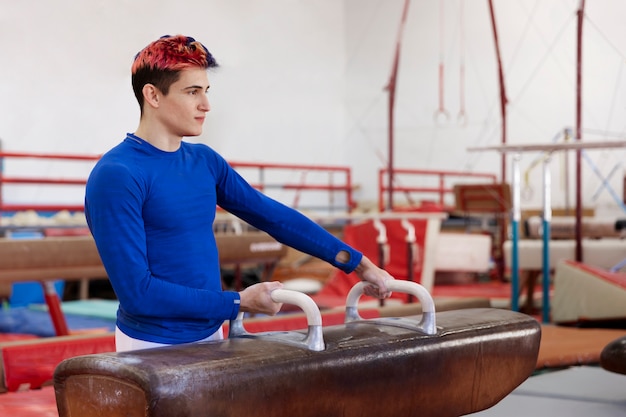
{"type": "Point", "coordinates": [428, 322]}
{"type": "Point", "coordinates": [441, 115]}
{"type": "Point", "coordinates": [314, 339]}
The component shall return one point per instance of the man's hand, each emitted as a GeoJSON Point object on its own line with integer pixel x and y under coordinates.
{"type": "Point", "coordinates": [257, 298]}
{"type": "Point", "coordinates": [378, 277]}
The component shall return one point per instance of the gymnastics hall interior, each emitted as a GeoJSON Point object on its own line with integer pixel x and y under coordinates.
{"type": "Point", "coordinates": [505, 303]}
{"type": "Point", "coordinates": [58, 304]}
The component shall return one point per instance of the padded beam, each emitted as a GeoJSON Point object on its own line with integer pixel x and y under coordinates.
{"type": "Point", "coordinates": [602, 253]}
{"type": "Point", "coordinates": [49, 259]}
{"type": "Point", "coordinates": [251, 247]}
{"type": "Point", "coordinates": [565, 228]}
{"type": "Point", "coordinates": [76, 257]}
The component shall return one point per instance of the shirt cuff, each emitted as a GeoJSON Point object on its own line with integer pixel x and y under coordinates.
{"type": "Point", "coordinates": [353, 262]}
{"type": "Point", "coordinates": [233, 302]}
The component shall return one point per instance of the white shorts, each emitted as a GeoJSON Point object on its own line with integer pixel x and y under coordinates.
{"type": "Point", "coordinates": [123, 342]}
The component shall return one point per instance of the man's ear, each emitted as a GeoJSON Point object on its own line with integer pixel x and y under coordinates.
{"type": "Point", "coordinates": [151, 95]}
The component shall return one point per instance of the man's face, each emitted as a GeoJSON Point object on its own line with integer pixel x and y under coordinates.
{"type": "Point", "coordinates": [183, 110]}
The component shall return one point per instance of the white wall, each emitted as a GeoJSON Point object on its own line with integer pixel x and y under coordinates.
{"type": "Point", "coordinates": [277, 96]}
{"type": "Point", "coordinates": [538, 46]}
{"type": "Point", "coordinates": [303, 82]}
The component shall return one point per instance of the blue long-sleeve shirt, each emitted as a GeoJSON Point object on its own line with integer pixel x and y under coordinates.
{"type": "Point", "coordinates": [151, 214]}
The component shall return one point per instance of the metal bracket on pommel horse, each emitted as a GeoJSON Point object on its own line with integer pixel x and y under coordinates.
{"type": "Point", "coordinates": [314, 339]}
{"type": "Point", "coordinates": [445, 364]}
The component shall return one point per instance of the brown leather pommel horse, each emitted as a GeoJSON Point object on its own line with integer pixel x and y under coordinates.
{"type": "Point", "coordinates": [445, 364]}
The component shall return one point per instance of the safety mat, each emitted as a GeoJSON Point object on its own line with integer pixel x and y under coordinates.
{"type": "Point", "coordinates": [26, 320]}
{"type": "Point", "coordinates": [563, 346]}
{"type": "Point", "coordinates": [32, 403]}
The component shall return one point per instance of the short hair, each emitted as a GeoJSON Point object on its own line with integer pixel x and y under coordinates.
{"type": "Point", "coordinates": [161, 61]}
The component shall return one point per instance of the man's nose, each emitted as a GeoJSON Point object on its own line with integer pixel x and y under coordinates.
{"type": "Point", "coordinates": [204, 104]}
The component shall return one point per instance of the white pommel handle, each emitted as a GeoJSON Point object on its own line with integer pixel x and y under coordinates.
{"type": "Point", "coordinates": [306, 303]}
{"type": "Point", "coordinates": [427, 323]}
{"type": "Point", "coordinates": [314, 339]}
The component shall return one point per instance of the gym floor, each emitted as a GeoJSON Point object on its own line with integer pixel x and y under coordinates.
{"type": "Point", "coordinates": [571, 392]}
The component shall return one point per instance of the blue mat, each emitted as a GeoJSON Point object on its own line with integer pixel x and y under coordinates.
{"type": "Point", "coordinates": [38, 322]}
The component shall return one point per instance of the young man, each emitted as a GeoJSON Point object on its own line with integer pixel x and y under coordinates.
{"type": "Point", "coordinates": [150, 204]}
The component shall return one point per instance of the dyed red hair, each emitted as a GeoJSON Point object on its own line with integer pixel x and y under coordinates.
{"type": "Point", "coordinates": [173, 53]}
{"type": "Point", "coordinates": [160, 63]}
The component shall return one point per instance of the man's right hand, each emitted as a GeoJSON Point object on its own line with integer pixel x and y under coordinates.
{"type": "Point", "coordinates": [257, 298]}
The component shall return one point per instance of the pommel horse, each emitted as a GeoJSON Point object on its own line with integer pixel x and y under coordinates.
{"type": "Point", "coordinates": [437, 364]}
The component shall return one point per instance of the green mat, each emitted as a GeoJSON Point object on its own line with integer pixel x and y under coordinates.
{"type": "Point", "coordinates": [105, 309]}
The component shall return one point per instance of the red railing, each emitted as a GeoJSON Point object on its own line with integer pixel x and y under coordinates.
{"type": "Point", "coordinates": [4, 180]}
{"type": "Point", "coordinates": [431, 183]}
{"type": "Point", "coordinates": [329, 173]}
{"type": "Point", "coordinates": [337, 179]}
